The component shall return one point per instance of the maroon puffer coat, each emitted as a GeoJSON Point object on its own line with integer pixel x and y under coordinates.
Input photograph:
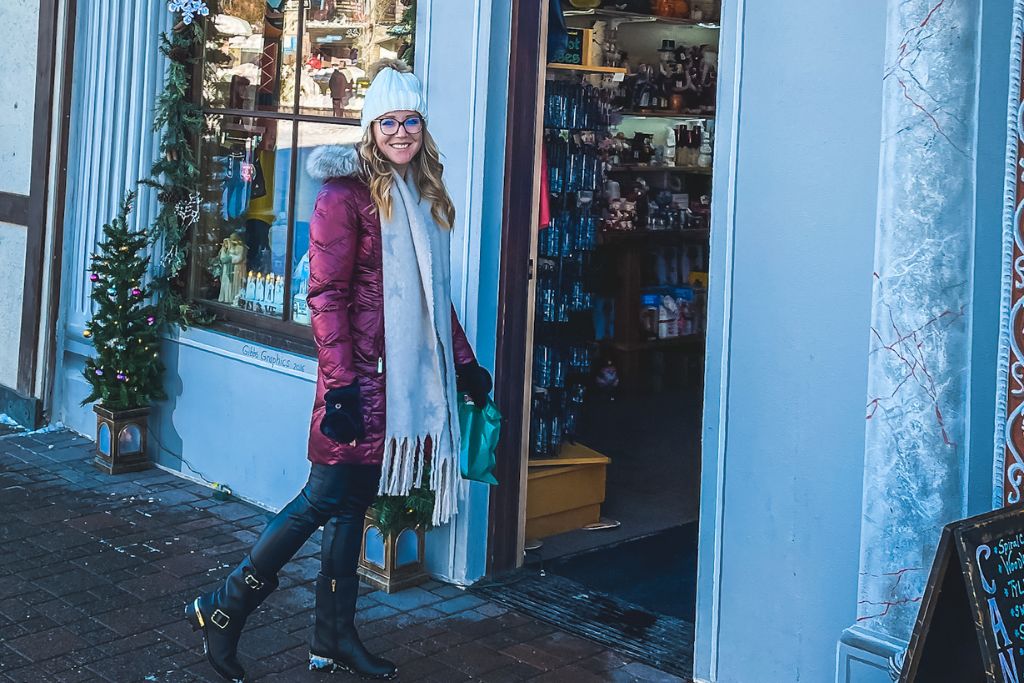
{"type": "Point", "coordinates": [346, 305]}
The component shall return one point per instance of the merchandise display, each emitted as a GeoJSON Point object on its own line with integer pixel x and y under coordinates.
{"type": "Point", "coordinates": [628, 183]}
{"type": "Point", "coordinates": [232, 259]}
{"type": "Point", "coordinates": [242, 226]}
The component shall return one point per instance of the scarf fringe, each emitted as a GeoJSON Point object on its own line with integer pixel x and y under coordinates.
{"type": "Point", "coordinates": [403, 467]}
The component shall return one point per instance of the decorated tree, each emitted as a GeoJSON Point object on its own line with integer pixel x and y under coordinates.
{"type": "Point", "coordinates": [126, 371]}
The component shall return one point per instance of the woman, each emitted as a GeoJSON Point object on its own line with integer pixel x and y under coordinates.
{"type": "Point", "coordinates": [392, 357]}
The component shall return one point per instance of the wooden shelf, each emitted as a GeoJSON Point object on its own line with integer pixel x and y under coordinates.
{"type": "Point", "coordinates": [572, 454]}
{"type": "Point", "coordinates": [684, 342]}
{"type": "Point", "coordinates": [607, 70]}
{"type": "Point", "coordinates": [666, 115]}
{"type": "Point", "coordinates": [633, 17]}
{"type": "Point", "coordinates": [648, 168]}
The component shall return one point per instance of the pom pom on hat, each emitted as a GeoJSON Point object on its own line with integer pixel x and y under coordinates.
{"type": "Point", "coordinates": [393, 87]}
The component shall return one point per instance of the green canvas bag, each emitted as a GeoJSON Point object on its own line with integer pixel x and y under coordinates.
{"type": "Point", "coordinates": [480, 428]}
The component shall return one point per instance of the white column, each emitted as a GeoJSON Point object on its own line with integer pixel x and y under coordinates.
{"type": "Point", "coordinates": [117, 74]}
{"type": "Point", "coordinates": [919, 364]}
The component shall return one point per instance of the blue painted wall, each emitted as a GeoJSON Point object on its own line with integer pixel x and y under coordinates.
{"type": "Point", "coordinates": [993, 95]}
{"type": "Point", "coordinates": [800, 292]}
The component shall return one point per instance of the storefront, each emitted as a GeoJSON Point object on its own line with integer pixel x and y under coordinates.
{"type": "Point", "coordinates": [279, 85]}
{"type": "Point", "coordinates": [857, 197]}
{"type": "Point", "coordinates": [799, 544]}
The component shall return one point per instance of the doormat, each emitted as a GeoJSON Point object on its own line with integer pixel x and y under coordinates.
{"type": "Point", "coordinates": [661, 641]}
{"type": "Point", "coordinates": [657, 572]}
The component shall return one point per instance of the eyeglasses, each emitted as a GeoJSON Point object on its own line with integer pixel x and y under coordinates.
{"type": "Point", "coordinates": [389, 126]}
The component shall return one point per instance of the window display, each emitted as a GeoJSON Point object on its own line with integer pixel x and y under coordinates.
{"type": "Point", "coordinates": [243, 226]}
{"type": "Point", "coordinates": [280, 78]}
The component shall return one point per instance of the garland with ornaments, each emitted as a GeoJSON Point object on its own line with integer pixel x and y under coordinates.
{"type": "Point", "coordinates": [175, 174]}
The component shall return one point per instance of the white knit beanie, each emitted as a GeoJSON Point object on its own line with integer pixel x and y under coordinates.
{"type": "Point", "coordinates": [393, 87]}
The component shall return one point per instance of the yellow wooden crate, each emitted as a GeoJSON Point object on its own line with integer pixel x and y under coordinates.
{"type": "Point", "coordinates": [565, 493]}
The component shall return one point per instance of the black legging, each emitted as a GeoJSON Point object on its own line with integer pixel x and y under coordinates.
{"type": "Point", "coordinates": [335, 497]}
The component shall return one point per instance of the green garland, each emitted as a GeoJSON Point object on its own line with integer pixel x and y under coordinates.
{"type": "Point", "coordinates": [416, 510]}
{"type": "Point", "coordinates": [175, 174]}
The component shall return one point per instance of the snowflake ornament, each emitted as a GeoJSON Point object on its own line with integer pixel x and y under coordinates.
{"type": "Point", "coordinates": [189, 9]}
{"type": "Point", "coordinates": [188, 209]}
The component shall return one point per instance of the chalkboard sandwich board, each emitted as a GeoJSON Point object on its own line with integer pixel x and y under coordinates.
{"type": "Point", "coordinates": [578, 49]}
{"type": "Point", "coordinates": [970, 628]}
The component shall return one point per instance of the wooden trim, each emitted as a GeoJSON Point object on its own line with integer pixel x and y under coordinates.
{"type": "Point", "coordinates": [59, 195]}
{"type": "Point", "coordinates": [14, 208]}
{"type": "Point", "coordinates": [31, 310]}
{"type": "Point", "coordinates": [270, 338]}
{"type": "Point", "coordinates": [525, 83]}
{"type": "Point", "coordinates": [276, 332]}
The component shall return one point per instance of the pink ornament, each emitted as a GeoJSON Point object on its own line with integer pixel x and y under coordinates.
{"type": "Point", "coordinates": [150, 320]}
{"type": "Point", "coordinates": [94, 277]}
{"type": "Point", "coordinates": [136, 292]}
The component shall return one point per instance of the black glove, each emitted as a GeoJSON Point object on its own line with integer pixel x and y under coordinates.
{"type": "Point", "coordinates": [343, 420]}
{"type": "Point", "coordinates": [475, 381]}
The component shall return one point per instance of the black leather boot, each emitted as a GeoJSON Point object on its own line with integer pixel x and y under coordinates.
{"type": "Point", "coordinates": [336, 643]}
{"type": "Point", "coordinates": [221, 615]}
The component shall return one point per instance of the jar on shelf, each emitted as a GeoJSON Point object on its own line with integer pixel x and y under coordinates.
{"type": "Point", "coordinates": [663, 8]}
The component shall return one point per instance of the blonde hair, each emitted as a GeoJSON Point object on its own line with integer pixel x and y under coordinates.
{"type": "Point", "coordinates": [427, 171]}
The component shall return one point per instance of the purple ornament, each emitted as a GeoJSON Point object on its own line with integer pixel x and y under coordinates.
{"type": "Point", "coordinates": [121, 376]}
{"type": "Point", "coordinates": [94, 277]}
{"type": "Point", "coordinates": [150, 320]}
{"type": "Point", "coordinates": [136, 292]}
{"type": "Point", "coordinates": [99, 373]}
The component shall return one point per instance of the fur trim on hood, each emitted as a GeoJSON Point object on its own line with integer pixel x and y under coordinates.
{"type": "Point", "coordinates": [333, 161]}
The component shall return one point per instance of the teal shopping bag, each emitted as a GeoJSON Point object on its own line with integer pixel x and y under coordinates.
{"type": "Point", "coordinates": [480, 428]}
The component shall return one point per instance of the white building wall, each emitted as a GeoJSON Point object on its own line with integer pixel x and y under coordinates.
{"type": "Point", "coordinates": [12, 281]}
{"type": "Point", "coordinates": [20, 21]}
{"type": "Point", "coordinates": [18, 84]}
{"type": "Point", "coordinates": [796, 180]}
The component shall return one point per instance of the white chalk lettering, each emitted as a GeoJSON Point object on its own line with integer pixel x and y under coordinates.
{"type": "Point", "coordinates": [997, 624]}
{"type": "Point", "coordinates": [990, 588]}
{"type": "Point", "coordinates": [1009, 666]}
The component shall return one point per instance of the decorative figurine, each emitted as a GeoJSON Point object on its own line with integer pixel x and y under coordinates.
{"type": "Point", "coordinates": [232, 258]}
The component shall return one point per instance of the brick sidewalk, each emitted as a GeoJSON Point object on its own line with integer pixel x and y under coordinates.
{"type": "Point", "coordinates": [95, 572]}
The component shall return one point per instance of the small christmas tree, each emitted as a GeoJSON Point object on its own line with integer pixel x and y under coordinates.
{"type": "Point", "coordinates": [126, 371]}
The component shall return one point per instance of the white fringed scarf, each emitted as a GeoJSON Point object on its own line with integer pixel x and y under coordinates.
{"type": "Point", "coordinates": [420, 384]}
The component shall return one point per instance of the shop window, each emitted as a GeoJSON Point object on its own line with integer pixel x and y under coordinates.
{"type": "Point", "coordinates": [280, 78]}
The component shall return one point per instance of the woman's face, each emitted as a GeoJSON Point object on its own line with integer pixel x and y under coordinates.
{"type": "Point", "coordinates": [399, 136]}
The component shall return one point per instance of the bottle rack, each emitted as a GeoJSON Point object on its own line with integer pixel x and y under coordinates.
{"type": "Point", "coordinates": [564, 346]}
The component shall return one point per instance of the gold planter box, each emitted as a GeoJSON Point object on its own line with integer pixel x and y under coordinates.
{"type": "Point", "coordinates": [391, 562]}
{"type": "Point", "coordinates": [121, 440]}
{"type": "Point", "coordinates": [565, 493]}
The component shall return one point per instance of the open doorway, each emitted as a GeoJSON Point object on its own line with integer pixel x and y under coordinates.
{"type": "Point", "coordinates": [614, 318]}
{"type": "Point", "coordinates": [620, 309]}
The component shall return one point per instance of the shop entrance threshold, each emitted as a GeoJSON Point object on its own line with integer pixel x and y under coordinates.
{"type": "Point", "coordinates": [661, 641]}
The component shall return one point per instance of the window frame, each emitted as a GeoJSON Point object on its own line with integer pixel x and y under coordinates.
{"type": "Point", "coordinates": [279, 332]}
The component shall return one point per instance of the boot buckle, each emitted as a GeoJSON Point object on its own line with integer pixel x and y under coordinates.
{"type": "Point", "coordinates": [220, 618]}
{"type": "Point", "coordinates": [252, 582]}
